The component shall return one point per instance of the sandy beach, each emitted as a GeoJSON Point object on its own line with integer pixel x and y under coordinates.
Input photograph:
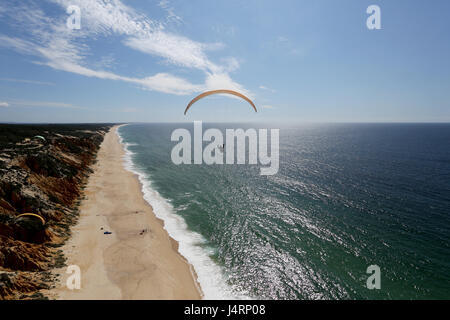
{"type": "Point", "coordinates": [138, 260]}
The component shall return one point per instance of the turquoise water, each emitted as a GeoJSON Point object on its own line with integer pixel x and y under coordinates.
{"type": "Point", "coordinates": [346, 196]}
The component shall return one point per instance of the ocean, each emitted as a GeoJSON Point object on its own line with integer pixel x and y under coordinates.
{"type": "Point", "coordinates": [346, 196]}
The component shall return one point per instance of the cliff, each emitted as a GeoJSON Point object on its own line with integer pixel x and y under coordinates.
{"type": "Point", "coordinates": [43, 169]}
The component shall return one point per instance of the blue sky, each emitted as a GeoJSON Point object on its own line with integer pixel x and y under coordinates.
{"type": "Point", "coordinates": [136, 60]}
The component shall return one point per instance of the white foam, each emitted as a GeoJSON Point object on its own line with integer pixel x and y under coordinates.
{"type": "Point", "coordinates": [210, 276]}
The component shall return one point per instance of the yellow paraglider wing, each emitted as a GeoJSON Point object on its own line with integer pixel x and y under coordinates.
{"type": "Point", "coordinates": [33, 215]}
{"type": "Point", "coordinates": [208, 93]}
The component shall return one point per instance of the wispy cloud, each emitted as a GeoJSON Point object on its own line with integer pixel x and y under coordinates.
{"type": "Point", "coordinates": [62, 49]}
{"type": "Point", "coordinates": [28, 81]}
{"type": "Point", "coordinates": [267, 107]}
{"type": "Point", "coordinates": [287, 46]}
{"type": "Point", "coordinates": [17, 44]}
{"type": "Point", "coordinates": [105, 62]}
{"type": "Point", "coordinates": [171, 16]}
{"type": "Point", "coordinates": [4, 104]}
{"type": "Point", "coordinates": [47, 104]}
{"type": "Point", "coordinates": [282, 39]}
{"type": "Point", "coordinates": [230, 64]}
{"type": "Point", "coordinates": [174, 49]}
{"type": "Point", "coordinates": [266, 88]}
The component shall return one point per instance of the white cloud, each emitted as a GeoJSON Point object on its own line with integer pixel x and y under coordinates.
{"type": "Point", "coordinates": [167, 83]}
{"type": "Point", "coordinates": [63, 49]}
{"type": "Point", "coordinates": [223, 81]}
{"type": "Point", "coordinates": [66, 60]}
{"type": "Point", "coordinates": [176, 50]}
{"type": "Point", "coordinates": [4, 104]}
{"type": "Point", "coordinates": [267, 107]}
{"type": "Point", "coordinates": [142, 33]}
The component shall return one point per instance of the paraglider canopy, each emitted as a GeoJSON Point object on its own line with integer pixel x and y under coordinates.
{"type": "Point", "coordinates": [40, 137]}
{"type": "Point", "coordinates": [32, 215]}
{"type": "Point", "coordinates": [222, 91]}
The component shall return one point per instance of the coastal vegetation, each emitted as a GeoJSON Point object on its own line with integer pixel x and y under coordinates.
{"type": "Point", "coordinates": [43, 170]}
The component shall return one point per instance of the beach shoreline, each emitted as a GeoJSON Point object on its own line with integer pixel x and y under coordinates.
{"type": "Point", "coordinates": [138, 259]}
